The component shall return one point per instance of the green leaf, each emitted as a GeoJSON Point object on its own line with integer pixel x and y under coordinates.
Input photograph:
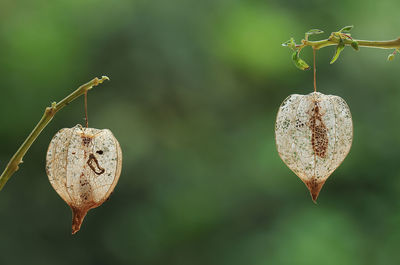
{"type": "Point", "coordinates": [346, 29]}
{"type": "Point", "coordinates": [339, 49]}
{"type": "Point", "coordinates": [289, 43]}
{"type": "Point", "coordinates": [314, 32]}
{"type": "Point", "coordinates": [354, 45]}
{"type": "Point", "coordinates": [286, 43]}
{"type": "Point", "coordinates": [299, 63]}
{"type": "Point", "coordinates": [390, 57]}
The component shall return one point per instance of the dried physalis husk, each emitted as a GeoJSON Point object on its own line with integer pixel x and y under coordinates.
{"type": "Point", "coordinates": [83, 166]}
{"type": "Point", "coordinates": [313, 135]}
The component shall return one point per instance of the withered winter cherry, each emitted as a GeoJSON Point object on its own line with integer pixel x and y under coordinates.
{"type": "Point", "coordinates": [313, 136]}
{"type": "Point", "coordinates": [83, 166]}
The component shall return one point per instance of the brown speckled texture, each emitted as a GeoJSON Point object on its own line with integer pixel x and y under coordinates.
{"type": "Point", "coordinates": [313, 136]}
{"type": "Point", "coordinates": [83, 166]}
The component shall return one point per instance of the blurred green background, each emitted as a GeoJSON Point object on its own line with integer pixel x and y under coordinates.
{"type": "Point", "coordinates": [194, 91]}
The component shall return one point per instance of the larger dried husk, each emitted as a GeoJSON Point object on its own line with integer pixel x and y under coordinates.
{"type": "Point", "coordinates": [313, 136]}
{"type": "Point", "coordinates": [83, 166]}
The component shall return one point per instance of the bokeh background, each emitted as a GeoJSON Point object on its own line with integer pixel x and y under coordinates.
{"type": "Point", "coordinates": [194, 91]}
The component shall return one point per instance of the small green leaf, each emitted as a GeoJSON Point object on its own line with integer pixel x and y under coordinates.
{"type": "Point", "coordinates": [346, 29]}
{"type": "Point", "coordinates": [314, 32]}
{"type": "Point", "coordinates": [299, 63]}
{"type": "Point", "coordinates": [354, 45]}
{"type": "Point", "coordinates": [390, 57]}
{"type": "Point", "coordinates": [339, 49]}
{"type": "Point", "coordinates": [286, 43]}
{"type": "Point", "coordinates": [290, 43]}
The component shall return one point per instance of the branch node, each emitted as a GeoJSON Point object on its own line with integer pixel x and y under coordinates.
{"type": "Point", "coordinates": [101, 80]}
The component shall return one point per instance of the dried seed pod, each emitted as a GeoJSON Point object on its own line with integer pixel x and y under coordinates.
{"type": "Point", "coordinates": [83, 166]}
{"type": "Point", "coordinates": [313, 136]}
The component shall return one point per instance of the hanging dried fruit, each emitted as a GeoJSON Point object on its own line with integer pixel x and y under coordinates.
{"type": "Point", "coordinates": [313, 136]}
{"type": "Point", "coordinates": [83, 166]}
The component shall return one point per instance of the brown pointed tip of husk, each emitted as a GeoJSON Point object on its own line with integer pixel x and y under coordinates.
{"type": "Point", "coordinates": [314, 186]}
{"type": "Point", "coordinates": [77, 218]}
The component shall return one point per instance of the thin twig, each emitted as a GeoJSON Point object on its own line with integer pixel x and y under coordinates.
{"type": "Point", "coordinates": [340, 39]}
{"type": "Point", "coordinates": [315, 72]}
{"type": "Point", "coordinates": [86, 116]}
{"type": "Point", "coordinates": [48, 115]}
{"type": "Point", "coordinates": [390, 44]}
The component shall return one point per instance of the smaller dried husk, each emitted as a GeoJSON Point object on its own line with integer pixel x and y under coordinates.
{"type": "Point", "coordinates": [83, 166]}
{"type": "Point", "coordinates": [313, 135]}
